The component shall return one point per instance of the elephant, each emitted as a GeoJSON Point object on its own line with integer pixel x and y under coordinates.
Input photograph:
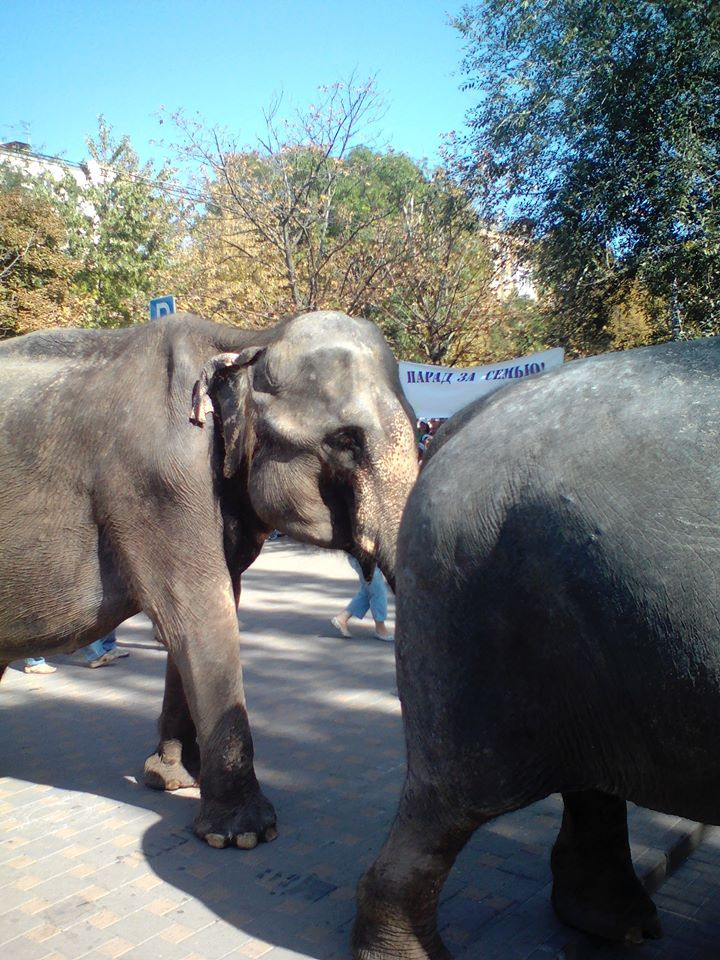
{"type": "Point", "coordinates": [558, 631]}
{"type": "Point", "coordinates": [142, 469]}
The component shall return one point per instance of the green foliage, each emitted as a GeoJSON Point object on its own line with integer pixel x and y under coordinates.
{"type": "Point", "coordinates": [597, 125]}
{"type": "Point", "coordinates": [519, 326]}
{"type": "Point", "coordinates": [122, 227]}
{"type": "Point", "coordinates": [437, 305]}
{"type": "Point", "coordinates": [276, 204]}
{"type": "Point", "coordinates": [308, 219]}
{"type": "Point", "coordinates": [374, 185]}
{"type": "Point", "coordinates": [636, 318]}
{"type": "Point", "coordinates": [36, 269]}
{"type": "Point", "coordinates": [311, 220]}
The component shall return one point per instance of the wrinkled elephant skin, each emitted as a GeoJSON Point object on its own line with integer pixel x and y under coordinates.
{"type": "Point", "coordinates": [558, 630]}
{"type": "Point", "coordinates": [142, 469]}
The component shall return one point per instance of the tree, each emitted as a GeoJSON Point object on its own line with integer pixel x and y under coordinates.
{"type": "Point", "coordinates": [220, 272]}
{"type": "Point", "coordinates": [311, 220]}
{"type": "Point", "coordinates": [438, 302]}
{"type": "Point", "coordinates": [305, 209]}
{"type": "Point", "coordinates": [598, 124]}
{"type": "Point", "coordinates": [368, 218]}
{"type": "Point", "coordinates": [123, 226]}
{"type": "Point", "coordinates": [36, 269]}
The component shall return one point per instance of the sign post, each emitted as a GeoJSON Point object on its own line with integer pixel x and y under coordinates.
{"type": "Point", "coordinates": [161, 307]}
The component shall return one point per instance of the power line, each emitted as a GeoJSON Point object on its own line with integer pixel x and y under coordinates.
{"type": "Point", "coordinates": [178, 190]}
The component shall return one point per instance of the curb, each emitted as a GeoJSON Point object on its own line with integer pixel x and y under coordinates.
{"type": "Point", "coordinates": [678, 853]}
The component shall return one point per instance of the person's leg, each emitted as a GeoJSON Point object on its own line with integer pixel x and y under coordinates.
{"type": "Point", "coordinates": [102, 652]}
{"type": "Point", "coordinates": [360, 603]}
{"type": "Point", "coordinates": [377, 596]}
{"type": "Point", "coordinates": [110, 646]}
{"type": "Point", "coordinates": [358, 606]}
{"type": "Point", "coordinates": [95, 650]}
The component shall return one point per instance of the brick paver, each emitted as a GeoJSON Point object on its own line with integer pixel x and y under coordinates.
{"type": "Point", "coordinates": [93, 865]}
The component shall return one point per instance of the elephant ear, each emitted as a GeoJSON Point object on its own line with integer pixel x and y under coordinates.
{"type": "Point", "coordinates": [221, 363]}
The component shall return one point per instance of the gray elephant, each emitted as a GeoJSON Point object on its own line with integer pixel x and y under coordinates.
{"type": "Point", "coordinates": [558, 629]}
{"type": "Point", "coordinates": [142, 469]}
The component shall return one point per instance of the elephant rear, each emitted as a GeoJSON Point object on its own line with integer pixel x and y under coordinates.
{"type": "Point", "coordinates": [558, 629]}
{"type": "Point", "coordinates": [558, 564]}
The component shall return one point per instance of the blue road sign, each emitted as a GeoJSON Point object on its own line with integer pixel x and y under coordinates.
{"type": "Point", "coordinates": [161, 307]}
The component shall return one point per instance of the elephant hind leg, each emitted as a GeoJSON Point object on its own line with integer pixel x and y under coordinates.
{"type": "Point", "coordinates": [398, 897]}
{"type": "Point", "coordinates": [176, 762]}
{"type": "Point", "coordinates": [595, 888]}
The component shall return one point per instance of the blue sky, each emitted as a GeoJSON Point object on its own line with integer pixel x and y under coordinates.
{"type": "Point", "coordinates": [63, 62]}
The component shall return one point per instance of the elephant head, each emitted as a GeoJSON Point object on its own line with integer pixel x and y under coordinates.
{"type": "Point", "coordinates": [315, 423]}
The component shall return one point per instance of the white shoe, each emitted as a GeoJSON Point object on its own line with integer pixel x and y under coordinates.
{"type": "Point", "coordinates": [103, 661]}
{"type": "Point", "coordinates": [339, 625]}
{"type": "Point", "coordinates": [39, 668]}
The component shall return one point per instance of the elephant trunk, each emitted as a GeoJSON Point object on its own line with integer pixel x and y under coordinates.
{"type": "Point", "coordinates": [382, 489]}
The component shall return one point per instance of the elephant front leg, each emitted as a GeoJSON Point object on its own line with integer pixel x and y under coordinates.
{"type": "Point", "coordinates": [397, 898]}
{"type": "Point", "coordinates": [204, 727]}
{"type": "Point", "coordinates": [176, 762]}
{"type": "Point", "coordinates": [233, 809]}
{"type": "Point", "coordinates": [595, 888]}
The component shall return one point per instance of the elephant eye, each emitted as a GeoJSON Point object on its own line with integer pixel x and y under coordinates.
{"type": "Point", "coordinates": [346, 447]}
{"type": "Point", "coordinates": [263, 380]}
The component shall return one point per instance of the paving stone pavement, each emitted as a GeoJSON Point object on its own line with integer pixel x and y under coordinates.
{"type": "Point", "coordinates": [92, 864]}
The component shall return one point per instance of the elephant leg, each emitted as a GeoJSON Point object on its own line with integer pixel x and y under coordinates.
{"type": "Point", "coordinates": [181, 579]}
{"type": "Point", "coordinates": [233, 809]}
{"type": "Point", "coordinates": [176, 762]}
{"type": "Point", "coordinates": [398, 897]}
{"type": "Point", "coordinates": [595, 888]}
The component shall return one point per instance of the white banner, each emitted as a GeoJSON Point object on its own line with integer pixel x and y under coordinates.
{"type": "Point", "coordinates": [442, 391]}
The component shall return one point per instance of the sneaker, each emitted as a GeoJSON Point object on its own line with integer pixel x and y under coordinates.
{"type": "Point", "coordinates": [102, 661]}
{"type": "Point", "coordinates": [385, 637]}
{"type": "Point", "coordinates": [339, 625]}
{"type": "Point", "coordinates": [39, 667]}
{"type": "Point", "coordinates": [118, 653]}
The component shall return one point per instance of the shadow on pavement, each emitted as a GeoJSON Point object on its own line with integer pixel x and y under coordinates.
{"type": "Point", "coordinates": [329, 754]}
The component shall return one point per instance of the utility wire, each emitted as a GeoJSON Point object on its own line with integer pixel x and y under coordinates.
{"type": "Point", "coordinates": [178, 191]}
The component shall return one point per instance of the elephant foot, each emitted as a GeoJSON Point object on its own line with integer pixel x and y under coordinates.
{"type": "Point", "coordinates": [595, 888]}
{"type": "Point", "coordinates": [600, 911]}
{"type": "Point", "coordinates": [241, 825]}
{"type": "Point", "coordinates": [604, 899]}
{"type": "Point", "coordinates": [168, 768]}
{"type": "Point", "coordinates": [384, 949]}
{"type": "Point", "coordinates": [384, 930]}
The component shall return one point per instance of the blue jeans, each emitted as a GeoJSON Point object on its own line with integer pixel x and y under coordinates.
{"type": "Point", "coordinates": [96, 649]}
{"type": "Point", "coordinates": [371, 596]}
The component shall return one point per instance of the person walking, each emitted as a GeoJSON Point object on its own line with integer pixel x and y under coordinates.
{"type": "Point", "coordinates": [370, 596]}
